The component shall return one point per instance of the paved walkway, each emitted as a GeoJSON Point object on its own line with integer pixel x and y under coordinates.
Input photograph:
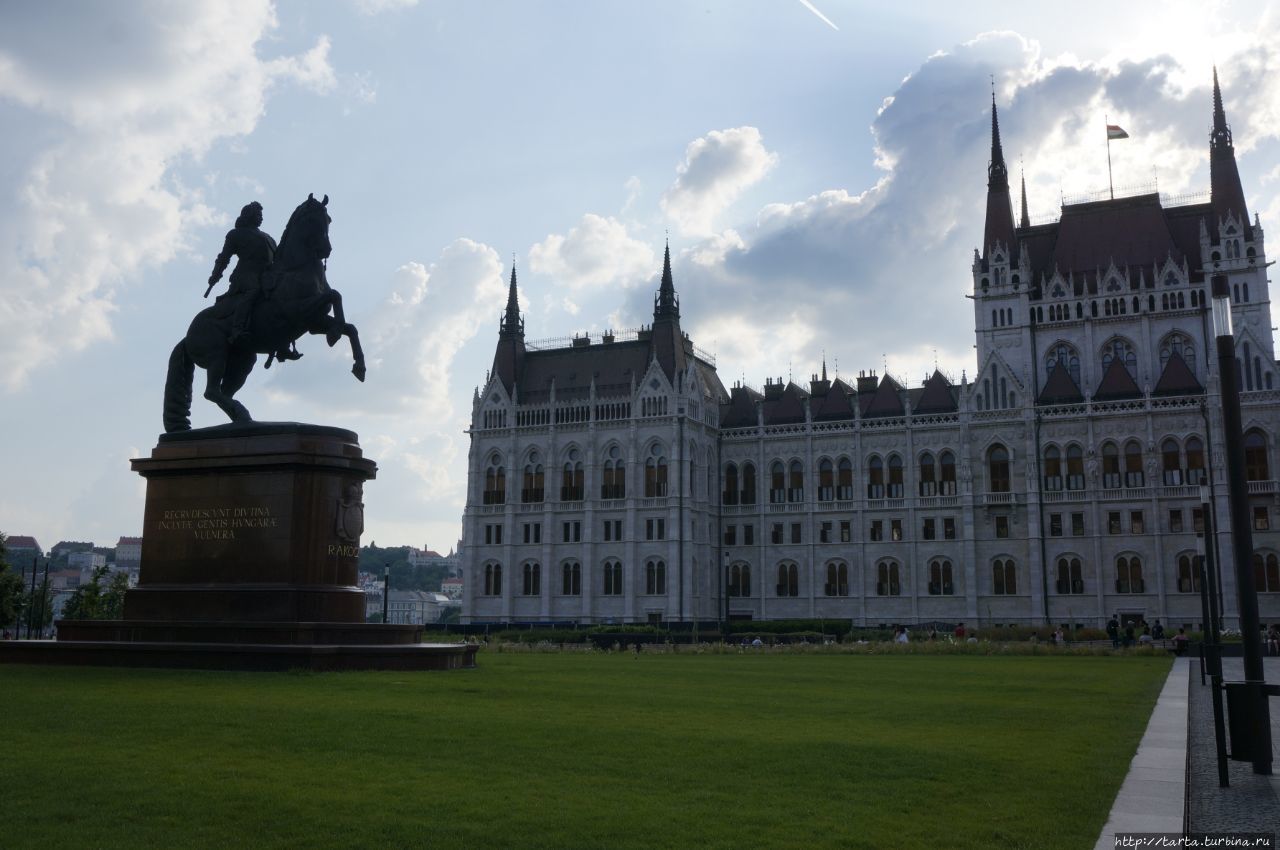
{"type": "Point", "coordinates": [1153, 796]}
{"type": "Point", "coordinates": [1252, 803]}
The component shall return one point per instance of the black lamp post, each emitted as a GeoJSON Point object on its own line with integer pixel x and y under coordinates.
{"type": "Point", "coordinates": [386, 583]}
{"type": "Point", "coordinates": [1254, 694]}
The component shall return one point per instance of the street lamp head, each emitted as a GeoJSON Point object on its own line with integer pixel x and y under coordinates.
{"type": "Point", "coordinates": [1221, 309]}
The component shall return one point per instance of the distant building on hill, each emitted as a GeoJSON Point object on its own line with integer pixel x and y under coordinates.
{"type": "Point", "coordinates": [416, 607]}
{"type": "Point", "coordinates": [21, 549]}
{"type": "Point", "coordinates": [86, 563]}
{"type": "Point", "coordinates": [452, 588]}
{"type": "Point", "coordinates": [129, 553]}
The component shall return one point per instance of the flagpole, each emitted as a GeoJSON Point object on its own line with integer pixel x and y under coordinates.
{"type": "Point", "coordinates": [1107, 127]}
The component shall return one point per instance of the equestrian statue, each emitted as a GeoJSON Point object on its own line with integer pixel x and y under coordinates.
{"type": "Point", "coordinates": [276, 294]}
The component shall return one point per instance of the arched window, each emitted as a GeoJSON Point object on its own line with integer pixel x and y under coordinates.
{"type": "Point", "coordinates": [1248, 373]}
{"type": "Point", "coordinates": [613, 484]}
{"type": "Point", "coordinates": [887, 583]}
{"type": "Point", "coordinates": [1170, 466]}
{"type": "Point", "coordinates": [1052, 469]}
{"type": "Point", "coordinates": [826, 480]}
{"type": "Point", "coordinates": [748, 484]}
{"type": "Point", "coordinates": [1256, 467]}
{"type": "Point", "coordinates": [788, 579]}
{"type": "Point", "coordinates": [534, 480]}
{"type": "Point", "coordinates": [928, 475]}
{"type": "Point", "coordinates": [493, 579]}
{"type": "Point", "coordinates": [1110, 466]}
{"type": "Point", "coordinates": [1129, 574]}
{"type": "Point", "coordinates": [895, 477]}
{"type": "Point", "coordinates": [655, 578]}
{"type": "Point", "coordinates": [940, 578]}
{"type": "Point", "coordinates": [777, 483]}
{"type": "Point", "coordinates": [655, 472]}
{"type": "Point", "coordinates": [1122, 350]}
{"type": "Point", "coordinates": [1004, 577]}
{"type": "Point", "coordinates": [571, 487]}
{"type": "Point", "coordinates": [495, 482]}
{"type": "Point", "coordinates": [837, 579]}
{"type": "Point", "coordinates": [1070, 578]}
{"type": "Point", "coordinates": [1195, 461]}
{"type": "Point", "coordinates": [1062, 354]}
{"type": "Point", "coordinates": [730, 496]}
{"type": "Point", "coordinates": [947, 469]}
{"type": "Point", "coordinates": [532, 574]}
{"type": "Point", "coordinates": [1075, 467]}
{"type": "Point", "coordinates": [1179, 344]}
{"type": "Point", "coordinates": [1266, 572]}
{"type": "Point", "coordinates": [612, 578]}
{"type": "Point", "coordinates": [998, 469]}
{"type": "Point", "coordinates": [1133, 474]}
{"type": "Point", "coordinates": [875, 478]}
{"type": "Point", "coordinates": [739, 580]}
{"type": "Point", "coordinates": [572, 576]}
{"type": "Point", "coordinates": [844, 480]}
{"type": "Point", "coordinates": [795, 482]}
{"type": "Point", "coordinates": [1189, 573]}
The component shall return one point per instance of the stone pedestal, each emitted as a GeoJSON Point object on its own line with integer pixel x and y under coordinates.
{"type": "Point", "coordinates": [251, 539]}
{"type": "Point", "coordinates": [259, 524]}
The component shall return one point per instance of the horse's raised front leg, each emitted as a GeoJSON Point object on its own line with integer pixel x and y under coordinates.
{"type": "Point", "coordinates": [339, 319]}
{"type": "Point", "coordinates": [329, 327]}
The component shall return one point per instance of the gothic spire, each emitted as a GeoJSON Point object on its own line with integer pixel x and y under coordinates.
{"type": "Point", "coordinates": [1025, 220]}
{"type": "Point", "coordinates": [511, 321]}
{"type": "Point", "coordinates": [1226, 192]}
{"type": "Point", "coordinates": [666, 304]}
{"type": "Point", "coordinates": [999, 223]}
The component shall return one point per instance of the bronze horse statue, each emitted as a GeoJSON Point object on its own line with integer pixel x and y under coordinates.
{"type": "Point", "coordinates": [295, 300]}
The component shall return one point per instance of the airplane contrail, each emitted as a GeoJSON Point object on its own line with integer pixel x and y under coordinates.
{"type": "Point", "coordinates": [814, 9]}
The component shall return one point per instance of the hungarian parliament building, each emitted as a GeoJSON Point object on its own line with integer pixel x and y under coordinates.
{"type": "Point", "coordinates": [614, 479]}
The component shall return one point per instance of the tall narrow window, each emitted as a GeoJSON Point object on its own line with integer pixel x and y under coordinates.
{"type": "Point", "coordinates": [1129, 575]}
{"type": "Point", "coordinates": [655, 578]}
{"type": "Point", "coordinates": [571, 478]}
{"type": "Point", "coordinates": [1070, 579]}
{"type": "Point", "coordinates": [655, 472]}
{"type": "Point", "coordinates": [947, 479]}
{"type": "Point", "coordinates": [493, 580]}
{"type": "Point", "coordinates": [495, 482]}
{"type": "Point", "coordinates": [928, 475]}
{"type": "Point", "coordinates": [887, 583]}
{"type": "Point", "coordinates": [1188, 573]}
{"type": "Point", "coordinates": [844, 480]}
{"type": "Point", "coordinates": [998, 468]}
{"type": "Point", "coordinates": [777, 483]}
{"type": "Point", "coordinates": [748, 484]}
{"type": "Point", "coordinates": [1266, 572]}
{"type": "Point", "coordinates": [1170, 463]}
{"type": "Point", "coordinates": [612, 578]}
{"type": "Point", "coordinates": [940, 578]}
{"type": "Point", "coordinates": [1110, 467]}
{"type": "Point", "coordinates": [1195, 461]}
{"type": "Point", "coordinates": [572, 575]}
{"type": "Point", "coordinates": [1052, 469]}
{"type": "Point", "coordinates": [1256, 467]}
{"type": "Point", "coordinates": [613, 483]}
{"type": "Point", "coordinates": [1075, 467]}
{"type": "Point", "coordinates": [895, 477]}
{"type": "Point", "coordinates": [1133, 474]}
{"type": "Point", "coordinates": [788, 579]}
{"type": "Point", "coordinates": [875, 478]}
{"type": "Point", "coordinates": [532, 575]}
{"type": "Point", "coordinates": [837, 579]}
{"type": "Point", "coordinates": [739, 580]}
{"type": "Point", "coordinates": [826, 481]}
{"type": "Point", "coordinates": [795, 482]}
{"type": "Point", "coordinates": [1004, 576]}
{"type": "Point", "coordinates": [731, 484]}
{"type": "Point", "coordinates": [534, 479]}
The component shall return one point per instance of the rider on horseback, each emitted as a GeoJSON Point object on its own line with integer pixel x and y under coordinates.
{"type": "Point", "coordinates": [255, 252]}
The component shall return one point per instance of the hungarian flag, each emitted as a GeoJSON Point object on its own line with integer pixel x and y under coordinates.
{"type": "Point", "coordinates": [1115, 132]}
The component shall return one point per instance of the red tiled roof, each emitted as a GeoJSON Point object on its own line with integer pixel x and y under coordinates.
{"type": "Point", "coordinates": [129, 541]}
{"type": "Point", "coordinates": [21, 541]}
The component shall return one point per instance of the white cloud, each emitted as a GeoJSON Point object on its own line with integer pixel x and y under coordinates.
{"type": "Point", "coordinates": [717, 168]}
{"type": "Point", "coordinates": [132, 89]}
{"type": "Point", "coordinates": [891, 260]}
{"type": "Point", "coordinates": [595, 252]}
{"type": "Point", "coordinates": [377, 7]}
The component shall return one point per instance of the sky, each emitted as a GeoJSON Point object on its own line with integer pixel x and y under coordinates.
{"type": "Point", "coordinates": [819, 169]}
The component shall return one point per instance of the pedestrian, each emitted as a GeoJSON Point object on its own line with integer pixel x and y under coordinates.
{"type": "Point", "coordinates": [973, 637]}
{"type": "Point", "coordinates": [1180, 642]}
{"type": "Point", "coordinates": [1113, 632]}
{"type": "Point", "coordinates": [1128, 635]}
{"type": "Point", "coordinates": [959, 632]}
{"type": "Point", "coordinates": [933, 634]}
{"type": "Point", "coordinates": [902, 636]}
{"type": "Point", "coordinates": [757, 642]}
{"type": "Point", "coordinates": [1157, 631]}
{"type": "Point", "coordinates": [1273, 640]}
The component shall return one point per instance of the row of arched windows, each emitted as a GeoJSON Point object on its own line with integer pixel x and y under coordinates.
{"type": "Point", "coordinates": [1064, 354]}
{"type": "Point", "coordinates": [1069, 577]}
{"type": "Point", "coordinates": [1116, 306]}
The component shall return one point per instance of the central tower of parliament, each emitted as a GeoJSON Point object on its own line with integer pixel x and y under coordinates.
{"type": "Point", "coordinates": [614, 479]}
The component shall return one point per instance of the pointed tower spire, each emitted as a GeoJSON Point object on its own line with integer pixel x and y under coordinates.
{"type": "Point", "coordinates": [511, 321]}
{"type": "Point", "coordinates": [1025, 220]}
{"type": "Point", "coordinates": [999, 224]}
{"type": "Point", "coordinates": [508, 358]}
{"type": "Point", "coordinates": [824, 366]}
{"type": "Point", "coordinates": [666, 304]}
{"type": "Point", "coordinates": [1226, 193]}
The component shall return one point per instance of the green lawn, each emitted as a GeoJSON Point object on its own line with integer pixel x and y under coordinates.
{"type": "Point", "coordinates": [577, 750]}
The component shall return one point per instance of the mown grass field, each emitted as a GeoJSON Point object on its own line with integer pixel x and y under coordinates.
{"type": "Point", "coordinates": [577, 750]}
